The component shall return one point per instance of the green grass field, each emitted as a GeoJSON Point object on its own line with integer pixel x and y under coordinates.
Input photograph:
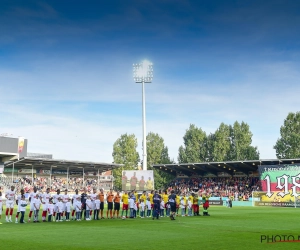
{"type": "Point", "coordinates": [236, 228]}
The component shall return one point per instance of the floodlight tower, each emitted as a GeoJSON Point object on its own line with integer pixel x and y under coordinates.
{"type": "Point", "coordinates": [143, 73]}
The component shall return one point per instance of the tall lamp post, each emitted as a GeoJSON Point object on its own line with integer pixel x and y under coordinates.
{"type": "Point", "coordinates": [143, 73]}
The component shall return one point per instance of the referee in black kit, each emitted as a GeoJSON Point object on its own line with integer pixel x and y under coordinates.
{"type": "Point", "coordinates": [83, 202]}
{"type": "Point", "coordinates": [172, 202]}
{"type": "Point", "coordinates": [156, 208]}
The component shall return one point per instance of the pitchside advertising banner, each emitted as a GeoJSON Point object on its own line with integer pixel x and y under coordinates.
{"type": "Point", "coordinates": [280, 185]}
{"type": "Point", "coordinates": [139, 180]}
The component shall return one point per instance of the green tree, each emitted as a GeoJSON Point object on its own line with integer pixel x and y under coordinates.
{"type": "Point", "coordinates": [155, 147]}
{"type": "Point", "coordinates": [210, 144]}
{"type": "Point", "coordinates": [194, 149]}
{"type": "Point", "coordinates": [221, 143]}
{"type": "Point", "coordinates": [124, 152]}
{"type": "Point", "coordinates": [288, 146]}
{"type": "Point", "coordinates": [241, 139]}
{"type": "Point", "coordinates": [157, 153]}
{"type": "Point", "coordinates": [228, 143]}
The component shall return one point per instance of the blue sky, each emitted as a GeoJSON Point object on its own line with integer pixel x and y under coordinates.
{"type": "Point", "coordinates": [66, 71]}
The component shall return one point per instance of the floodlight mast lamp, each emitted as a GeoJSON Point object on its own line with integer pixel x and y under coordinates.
{"type": "Point", "coordinates": [143, 73]}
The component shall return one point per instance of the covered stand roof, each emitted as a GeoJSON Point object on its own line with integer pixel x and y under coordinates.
{"type": "Point", "coordinates": [229, 167]}
{"type": "Point", "coordinates": [60, 165]}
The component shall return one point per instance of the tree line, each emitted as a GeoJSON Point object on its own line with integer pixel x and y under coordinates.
{"type": "Point", "coordinates": [227, 143]}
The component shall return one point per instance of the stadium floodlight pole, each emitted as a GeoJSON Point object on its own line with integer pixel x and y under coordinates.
{"type": "Point", "coordinates": [143, 73]}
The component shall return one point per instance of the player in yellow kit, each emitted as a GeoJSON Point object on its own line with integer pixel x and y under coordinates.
{"type": "Point", "coordinates": [177, 203]}
{"type": "Point", "coordinates": [150, 196]}
{"type": "Point", "coordinates": [125, 203]}
{"type": "Point", "coordinates": [143, 196]}
{"type": "Point", "coordinates": [165, 198]}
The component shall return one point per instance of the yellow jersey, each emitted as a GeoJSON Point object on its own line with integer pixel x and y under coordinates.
{"type": "Point", "coordinates": [165, 198]}
{"type": "Point", "coordinates": [185, 200]}
{"type": "Point", "coordinates": [151, 198]}
{"type": "Point", "coordinates": [143, 197]}
{"type": "Point", "coordinates": [125, 199]}
{"type": "Point", "coordinates": [195, 200]}
{"type": "Point", "coordinates": [136, 196]}
{"type": "Point", "coordinates": [177, 200]}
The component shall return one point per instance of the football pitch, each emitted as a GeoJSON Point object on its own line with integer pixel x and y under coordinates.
{"type": "Point", "coordinates": [235, 228]}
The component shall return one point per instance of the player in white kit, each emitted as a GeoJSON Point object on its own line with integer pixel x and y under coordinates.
{"type": "Point", "coordinates": [32, 197]}
{"type": "Point", "coordinates": [74, 201]}
{"type": "Point", "coordinates": [93, 197]}
{"type": "Point", "coordinates": [60, 207]}
{"type": "Point", "coordinates": [0, 206]}
{"type": "Point", "coordinates": [68, 209]}
{"type": "Point", "coordinates": [56, 198]}
{"type": "Point", "coordinates": [78, 207]}
{"type": "Point", "coordinates": [19, 198]}
{"type": "Point", "coordinates": [88, 207]}
{"type": "Point", "coordinates": [50, 209]}
{"type": "Point", "coordinates": [45, 197]}
{"type": "Point", "coordinates": [65, 199]}
{"type": "Point", "coordinates": [10, 200]}
{"type": "Point", "coordinates": [37, 205]}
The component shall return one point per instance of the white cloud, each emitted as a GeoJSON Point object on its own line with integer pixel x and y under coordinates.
{"type": "Point", "coordinates": [50, 105]}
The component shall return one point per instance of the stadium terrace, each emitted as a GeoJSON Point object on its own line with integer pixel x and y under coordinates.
{"type": "Point", "coordinates": [219, 169]}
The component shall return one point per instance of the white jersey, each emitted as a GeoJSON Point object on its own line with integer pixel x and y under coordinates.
{"type": "Point", "coordinates": [46, 197]}
{"type": "Point", "coordinates": [10, 195]}
{"type": "Point", "coordinates": [68, 206]}
{"type": "Point", "coordinates": [0, 205]}
{"type": "Point", "coordinates": [89, 204]}
{"type": "Point", "coordinates": [19, 198]}
{"type": "Point", "coordinates": [148, 205]}
{"type": "Point", "coordinates": [65, 198]}
{"type": "Point", "coordinates": [60, 206]}
{"type": "Point", "coordinates": [23, 205]}
{"type": "Point", "coordinates": [97, 204]}
{"type": "Point", "coordinates": [162, 205]}
{"type": "Point", "coordinates": [75, 196]}
{"type": "Point", "coordinates": [182, 204]}
{"type": "Point", "coordinates": [93, 197]}
{"type": "Point", "coordinates": [32, 196]}
{"type": "Point", "coordinates": [37, 203]}
{"type": "Point", "coordinates": [50, 208]}
{"type": "Point", "coordinates": [142, 206]}
{"type": "Point", "coordinates": [131, 203]}
{"type": "Point", "coordinates": [77, 205]}
{"type": "Point", "coordinates": [189, 204]}
{"type": "Point", "coordinates": [55, 198]}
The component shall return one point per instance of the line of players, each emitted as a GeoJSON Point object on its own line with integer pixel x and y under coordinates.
{"type": "Point", "coordinates": [61, 207]}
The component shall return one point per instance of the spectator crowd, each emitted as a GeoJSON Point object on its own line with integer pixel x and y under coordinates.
{"type": "Point", "coordinates": [238, 187]}
{"type": "Point", "coordinates": [42, 183]}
